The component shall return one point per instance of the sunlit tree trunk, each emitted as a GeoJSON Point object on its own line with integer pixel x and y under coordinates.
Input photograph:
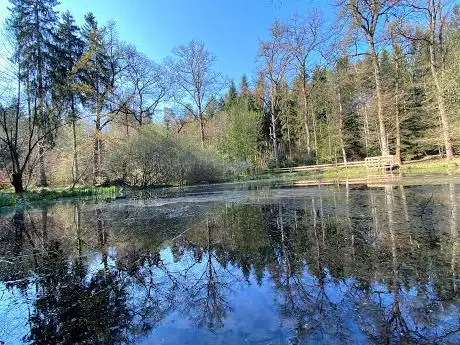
{"type": "Point", "coordinates": [273, 123]}
{"type": "Point", "coordinates": [315, 136]}
{"type": "Point", "coordinates": [397, 113]}
{"type": "Point", "coordinates": [342, 142]}
{"type": "Point", "coordinates": [201, 132]}
{"type": "Point", "coordinates": [75, 173]}
{"type": "Point", "coordinates": [305, 111]}
{"type": "Point", "coordinates": [441, 106]}
{"type": "Point", "coordinates": [378, 90]}
{"type": "Point", "coordinates": [436, 27]}
{"type": "Point", "coordinates": [97, 147]}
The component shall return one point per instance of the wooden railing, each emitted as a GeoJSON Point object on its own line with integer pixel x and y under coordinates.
{"type": "Point", "coordinates": [373, 163]}
{"type": "Point", "coordinates": [380, 162]}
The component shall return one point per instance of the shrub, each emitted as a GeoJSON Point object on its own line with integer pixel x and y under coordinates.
{"type": "Point", "coordinates": [153, 158]}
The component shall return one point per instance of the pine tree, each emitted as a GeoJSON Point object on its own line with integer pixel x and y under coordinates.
{"type": "Point", "coordinates": [232, 96]}
{"type": "Point", "coordinates": [244, 87]}
{"type": "Point", "coordinates": [33, 22]}
{"type": "Point", "coordinates": [67, 51]}
{"type": "Point", "coordinates": [349, 126]}
{"type": "Point", "coordinates": [97, 70]}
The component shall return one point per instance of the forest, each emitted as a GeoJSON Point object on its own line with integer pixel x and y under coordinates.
{"type": "Point", "coordinates": [79, 106]}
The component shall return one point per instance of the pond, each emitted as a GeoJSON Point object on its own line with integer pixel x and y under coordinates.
{"type": "Point", "coordinates": [235, 264]}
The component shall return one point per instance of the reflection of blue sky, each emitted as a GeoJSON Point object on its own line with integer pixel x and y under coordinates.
{"type": "Point", "coordinates": [339, 311]}
{"type": "Point", "coordinates": [255, 317]}
{"type": "Point", "coordinates": [14, 311]}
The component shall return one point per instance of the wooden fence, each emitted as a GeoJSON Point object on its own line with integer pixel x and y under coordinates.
{"type": "Point", "coordinates": [378, 163]}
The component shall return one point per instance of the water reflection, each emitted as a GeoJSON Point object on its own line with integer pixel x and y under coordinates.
{"type": "Point", "coordinates": [326, 265]}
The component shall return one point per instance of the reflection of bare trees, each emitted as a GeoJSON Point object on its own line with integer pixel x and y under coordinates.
{"type": "Point", "coordinates": [383, 308]}
{"type": "Point", "coordinates": [396, 322]}
{"type": "Point", "coordinates": [453, 235]}
{"type": "Point", "coordinates": [305, 297]}
{"type": "Point", "coordinates": [205, 290]}
{"type": "Point", "coordinates": [343, 266]}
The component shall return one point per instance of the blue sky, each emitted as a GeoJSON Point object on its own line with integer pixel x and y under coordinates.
{"type": "Point", "coordinates": [229, 28]}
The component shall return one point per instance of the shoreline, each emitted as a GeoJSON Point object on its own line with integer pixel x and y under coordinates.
{"type": "Point", "coordinates": [427, 172]}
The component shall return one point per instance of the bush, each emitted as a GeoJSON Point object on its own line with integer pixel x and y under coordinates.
{"type": "Point", "coordinates": [153, 158]}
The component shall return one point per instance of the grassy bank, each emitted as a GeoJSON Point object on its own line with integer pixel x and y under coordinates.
{"type": "Point", "coordinates": [8, 198]}
{"type": "Point", "coordinates": [343, 173]}
{"type": "Point", "coordinates": [336, 174]}
{"type": "Point", "coordinates": [329, 173]}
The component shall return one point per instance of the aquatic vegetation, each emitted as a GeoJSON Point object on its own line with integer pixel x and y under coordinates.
{"type": "Point", "coordinates": [8, 199]}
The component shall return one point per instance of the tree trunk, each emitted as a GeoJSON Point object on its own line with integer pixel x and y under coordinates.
{"type": "Point", "coordinates": [16, 181]}
{"type": "Point", "coordinates": [75, 154]}
{"type": "Point", "coordinates": [42, 166]}
{"type": "Point", "coordinates": [315, 136]}
{"type": "Point", "coordinates": [141, 120]}
{"type": "Point", "coordinates": [378, 90]}
{"type": "Point", "coordinates": [201, 131]}
{"type": "Point", "coordinates": [42, 115]}
{"type": "Point", "coordinates": [342, 143]}
{"type": "Point", "coordinates": [96, 168]}
{"type": "Point", "coordinates": [441, 106]}
{"type": "Point", "coordinates": [398, 133]}
{"type": "Point", "coordinates": [289, 137]}
{"type": "Point", "coordinates": [97, 147]}
{"type": "Point", "coordinates": [397, 122]}
{"type": "Point", "coordinates": [273, 118]}
{"type": "Point", "coordinates": [305, 113]}
{"type": "Point", "coordinates": [366, 129]}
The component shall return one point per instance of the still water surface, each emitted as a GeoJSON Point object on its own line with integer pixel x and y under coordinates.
{"type": "Point", "coordinates": [337, 264]}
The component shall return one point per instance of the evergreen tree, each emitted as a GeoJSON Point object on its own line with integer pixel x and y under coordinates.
{"type": "Point", "coordinates": [244, 87]}
{"type": "Point", "coordinates": [349, 124]}
{"type": "Point", "coordinates": [232, 96]}
{"type": "Point", "coordinates": [97, 71]}
{"type": "Point", "coordinates": [34, 23]}
{"type": "Point", "coordinates": [67, 51]}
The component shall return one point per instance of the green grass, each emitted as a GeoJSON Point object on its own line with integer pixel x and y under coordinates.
{"type": "Point", "coordinates": [329, 173]}
{"type": "Point", "coordinates": [343, 173]}
{"type": "Point", "coordinates": [69, 192]}
{"type": "Point", "coordinates": [434, 166]}
{"type": "Point", "coordinates": [9, 199]}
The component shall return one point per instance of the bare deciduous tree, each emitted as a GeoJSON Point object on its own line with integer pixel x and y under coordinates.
{"type": "Point", "coordinates": [195, 80]}
{"type": "Point", "coordinates": [368, 18]}
{"type": "Point", "coordinates": [434, 15]}
{"type": "Point", "coordinates": [276, 58]}
{"type": "Point", "coordinates": [146, 86]}
{"type": "Point", "coordinates": [304, 36]}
